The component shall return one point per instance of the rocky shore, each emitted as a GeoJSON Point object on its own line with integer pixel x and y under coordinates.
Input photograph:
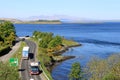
{"type": "Point", "coordinates": [59, 58]}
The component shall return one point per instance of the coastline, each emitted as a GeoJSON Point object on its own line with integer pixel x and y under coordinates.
{"type": "Point", "coordinates": [60, 58]}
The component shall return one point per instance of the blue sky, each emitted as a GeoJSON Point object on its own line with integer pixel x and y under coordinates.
{"type": "Point", "coordinates": [89, 9]}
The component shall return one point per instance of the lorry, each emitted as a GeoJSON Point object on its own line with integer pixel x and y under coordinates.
{"type": "Point", "coordinates": [25, 52]}
{"type": "Point", "coordinates": [34, 68]}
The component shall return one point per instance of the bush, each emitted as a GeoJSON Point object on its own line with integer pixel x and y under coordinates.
{"type": "Point", "coordinates": [108, 69]}
{"type": "Point", "coordinates": [110, 77]}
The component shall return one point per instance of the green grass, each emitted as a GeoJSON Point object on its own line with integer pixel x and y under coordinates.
{"type": "Point", "coordinates": [69, 42]}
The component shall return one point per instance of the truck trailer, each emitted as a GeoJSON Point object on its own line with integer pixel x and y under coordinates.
{"type": "Point", "coordinates": [25, 52]}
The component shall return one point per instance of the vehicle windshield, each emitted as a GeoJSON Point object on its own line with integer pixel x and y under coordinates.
{"type": "Point", "coordinates": [34, 68]}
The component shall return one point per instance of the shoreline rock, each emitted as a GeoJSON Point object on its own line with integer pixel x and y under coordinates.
{"type": "Point", "coordinates": [54, 63]}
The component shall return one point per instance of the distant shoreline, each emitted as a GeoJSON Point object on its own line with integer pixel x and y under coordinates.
{"type": "Point", "coordinates": [40, 23]}
{"type": "Point", "coordinates": [15, 21]}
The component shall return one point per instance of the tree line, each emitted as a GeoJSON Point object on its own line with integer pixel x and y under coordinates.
{"type": "Point", "coordinates": [7, 35]}
{"type": "Point", "coordinates": [47, 40]}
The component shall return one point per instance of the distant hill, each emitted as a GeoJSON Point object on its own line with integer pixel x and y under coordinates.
{"type": "Point", "coordinates": [43, 22]}
{"type": "Point", "coordinates": [16, 21]}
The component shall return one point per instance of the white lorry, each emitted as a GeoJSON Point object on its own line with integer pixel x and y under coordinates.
{"type": "Point", "coordinates": [25, 52]}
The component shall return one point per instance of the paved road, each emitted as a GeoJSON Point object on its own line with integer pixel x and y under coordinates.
{"type": "Point", "coordinates": [25, 74]}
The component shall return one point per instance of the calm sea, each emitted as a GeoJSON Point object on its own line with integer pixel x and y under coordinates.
{"type": "Point", "coordinates": [100, 40]}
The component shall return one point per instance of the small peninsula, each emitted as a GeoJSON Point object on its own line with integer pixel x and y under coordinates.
{"type": "Point", "coordinates": [50, 48]}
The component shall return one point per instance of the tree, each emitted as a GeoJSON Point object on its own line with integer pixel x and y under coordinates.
{"type": "Point", "coordinates": [56, 41]}
{"type": "Point", "coordinates": [43, 44]}
{"type": "Point", "coordinates": [7, 34]}
{"type": "Point", "coordinates": [76, 72]}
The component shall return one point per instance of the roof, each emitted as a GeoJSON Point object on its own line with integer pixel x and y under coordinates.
{"type": "Point", "coordinates": [34, 64]}
{"type": "Point", "coordinates": [31, 79]}
{"type": "Point", "coordinates": [25, 48]}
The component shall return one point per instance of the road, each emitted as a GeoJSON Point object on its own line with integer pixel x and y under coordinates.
{"type": "Point", "coordinates": [25, 64]}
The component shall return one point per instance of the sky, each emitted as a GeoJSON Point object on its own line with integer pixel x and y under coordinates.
{"type": "Point", "coordinates": [88, 9]}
